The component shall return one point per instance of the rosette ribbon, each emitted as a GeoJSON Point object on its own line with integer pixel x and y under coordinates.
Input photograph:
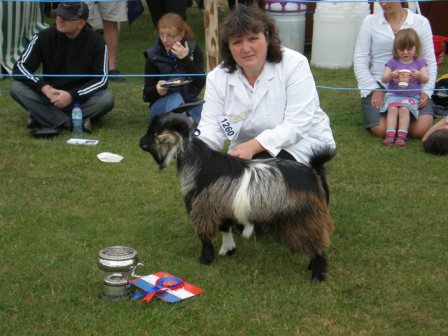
{"type": "Point", "coordinates": [162, 284]}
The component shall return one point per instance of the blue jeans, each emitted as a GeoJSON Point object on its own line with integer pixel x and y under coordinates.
{"type": "Point", "coordinates": [48, 115]}
{"type": "Point", "coordinates": [169, 103]}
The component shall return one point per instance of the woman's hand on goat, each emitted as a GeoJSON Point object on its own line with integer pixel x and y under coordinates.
{"type": "Point", "coordinates": [247, 150]}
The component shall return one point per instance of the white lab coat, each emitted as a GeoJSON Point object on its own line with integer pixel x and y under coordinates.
{"type": "Point", "coordinates": [282, 112]}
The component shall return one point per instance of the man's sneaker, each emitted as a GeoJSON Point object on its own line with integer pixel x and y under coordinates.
{"type": "Point", "coordinates": [33, 123]}
{"type": "Point", "coordinates": [115, 75]}
{"type": "Point", "coordinates": [88, 125]}
{"type": "Point", "coordinates": [66, 125]}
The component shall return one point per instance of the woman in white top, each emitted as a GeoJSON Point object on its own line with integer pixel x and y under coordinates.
{"type": "Point", "coordinates": [373, 49]}
{"type": "Point", "coordinates": [262, 97]}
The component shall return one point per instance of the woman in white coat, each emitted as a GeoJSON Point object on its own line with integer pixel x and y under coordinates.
{"type": "Point", "coordinates": [262, 97]}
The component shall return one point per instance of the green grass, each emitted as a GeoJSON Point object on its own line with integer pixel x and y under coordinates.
{"type": "Point", "coordinates": [59, 205]}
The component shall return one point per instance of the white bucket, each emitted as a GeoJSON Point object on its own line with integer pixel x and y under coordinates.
{"type": "Point", "coordinates": [335, 29]}
{"type": "Point", "coordinates": [289, 17]}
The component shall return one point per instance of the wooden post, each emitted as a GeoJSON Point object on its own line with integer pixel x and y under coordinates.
{"type": "Point", "coordinates": [211, 33]}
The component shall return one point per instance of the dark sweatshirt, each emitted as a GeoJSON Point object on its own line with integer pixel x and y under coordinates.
{"type": "Point", "coordinates": [59, 55]}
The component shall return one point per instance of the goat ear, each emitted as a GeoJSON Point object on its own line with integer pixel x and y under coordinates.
{"type": "Point", "coordinates": [168, 139]}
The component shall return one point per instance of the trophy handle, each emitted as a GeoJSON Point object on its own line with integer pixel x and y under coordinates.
{"type": "Point", "coordinates": [133, 271]}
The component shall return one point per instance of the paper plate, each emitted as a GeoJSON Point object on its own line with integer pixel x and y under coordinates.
{"type": "Point", "coordinates": [175, 83]}
{"type": "Point", "coordinates": [109, 157]}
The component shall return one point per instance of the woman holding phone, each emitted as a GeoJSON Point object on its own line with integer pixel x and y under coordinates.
{"type": "Point", "coordinates": [173, 55]}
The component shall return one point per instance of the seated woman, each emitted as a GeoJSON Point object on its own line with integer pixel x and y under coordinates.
{"type": "Point", "coordinates": [373, 49]}
{"type": "Point", "coordinates": [263, 96]}
{"type": "Point", "coordinates": [173, 54]}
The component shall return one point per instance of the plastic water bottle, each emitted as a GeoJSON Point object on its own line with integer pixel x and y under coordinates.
{"type": "Point", "coordinates": [77, 121]}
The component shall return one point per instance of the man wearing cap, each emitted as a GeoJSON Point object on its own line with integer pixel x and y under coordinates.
{"type": "Point", "coordinates": [74, 65]}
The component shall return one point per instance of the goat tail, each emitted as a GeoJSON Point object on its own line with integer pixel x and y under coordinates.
{"type": "Point", "coordinates": [318, 160]}
{"type": "Point", "coordinates": [320, 157]}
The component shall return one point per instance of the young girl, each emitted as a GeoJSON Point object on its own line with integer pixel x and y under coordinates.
{"type": "Point", "coordinates": [402, 100]}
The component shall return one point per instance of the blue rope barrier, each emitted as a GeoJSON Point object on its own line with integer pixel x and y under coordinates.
{"type": "Point", "coordinates": [198, 75]}
{"type": "Point", "coordinates": [324, 87]}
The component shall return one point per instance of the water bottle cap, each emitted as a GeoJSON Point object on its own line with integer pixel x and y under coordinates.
{"type": "Point", "coordinates": [76, 105]}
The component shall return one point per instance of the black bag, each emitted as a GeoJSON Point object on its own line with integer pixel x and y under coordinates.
{"type": "Point", "coordinates": [440, 96]}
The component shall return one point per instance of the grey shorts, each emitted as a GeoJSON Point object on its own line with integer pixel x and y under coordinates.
{"type": "Point", "coordinates": [372, 115]}
{"type": "Point", "coordinates": [114, 11]}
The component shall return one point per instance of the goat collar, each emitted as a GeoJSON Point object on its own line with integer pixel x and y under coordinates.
{"type": "Point", "coordinates": [195, 131]}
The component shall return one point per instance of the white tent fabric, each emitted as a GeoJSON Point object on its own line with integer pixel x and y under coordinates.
{"type": "Point", "coordinates": [19, 21]}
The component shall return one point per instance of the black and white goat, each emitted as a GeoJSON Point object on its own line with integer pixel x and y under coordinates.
{"type": "Point", "coordinates": [221, 191]}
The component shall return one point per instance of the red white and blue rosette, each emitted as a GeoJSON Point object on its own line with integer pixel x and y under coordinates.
{"type": "Point", "coordinates": [164, 286]}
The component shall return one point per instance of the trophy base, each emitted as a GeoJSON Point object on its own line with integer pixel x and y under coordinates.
{"type": "Point", "coordinates": [116, 287]}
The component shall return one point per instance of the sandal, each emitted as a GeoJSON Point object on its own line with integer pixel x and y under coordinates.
{"type": "Point", "coordinates": [389, 141]}
{"type": "Point", "coordinates": [401, 141]}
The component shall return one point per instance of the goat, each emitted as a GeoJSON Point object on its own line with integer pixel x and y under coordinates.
{"type": "Point", "coordinates": [221, 192]}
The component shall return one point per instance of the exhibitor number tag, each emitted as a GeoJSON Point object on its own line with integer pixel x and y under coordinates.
{"type": "Point", "coordinates": [231, 125]}
{"type": "Point", "coordinates": [227, 127]}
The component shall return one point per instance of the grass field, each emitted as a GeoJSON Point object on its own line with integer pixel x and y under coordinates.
{"type": "Point", "coordinates": [59, 205]}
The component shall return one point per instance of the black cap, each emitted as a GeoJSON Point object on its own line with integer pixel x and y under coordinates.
{"type": "Point", "coordinates": [73, 11]}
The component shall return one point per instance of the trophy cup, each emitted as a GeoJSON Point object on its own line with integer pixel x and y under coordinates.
{"type": "Point", "coordinates": [118, 262]}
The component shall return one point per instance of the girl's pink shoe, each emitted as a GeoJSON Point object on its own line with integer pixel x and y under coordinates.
{"type": "Point", "coordinates": [401, 141]}
{"type": "Point", "coordinates": [389, 141]}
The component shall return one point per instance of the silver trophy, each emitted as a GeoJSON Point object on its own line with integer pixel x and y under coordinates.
{"type": "Point", "coordinates": [119, 263]}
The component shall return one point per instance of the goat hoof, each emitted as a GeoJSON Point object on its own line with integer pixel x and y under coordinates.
{"type": "Point", "coordinates": [227, 249]}
{"type": "Point", "coordinates": [207, 254]}
{"type": "Point", "coordinates": [318, 277]}
{"type": "Point", "coordinates": [248, 230]}
{"type": "Point", "coordinates": [318, 266]}
{"type": "Point", "coordinates": [230, 252]}
{"type": "Point", "coordinates": [205, 261]}
{"type": "Point", "coordinates": [207, 258]}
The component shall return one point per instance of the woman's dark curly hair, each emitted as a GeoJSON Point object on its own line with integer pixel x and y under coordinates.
{"type": "Point", "coordinates": [437, 143]}
{"type": "Point", "coordinates": [245, 20]}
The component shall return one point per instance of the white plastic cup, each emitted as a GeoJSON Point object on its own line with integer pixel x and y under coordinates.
{"type": "Point", "coordinates": [403, 78]}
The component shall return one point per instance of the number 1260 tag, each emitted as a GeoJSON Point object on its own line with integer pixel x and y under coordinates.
{"type": "Point", "coordinates": [227, 127]}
